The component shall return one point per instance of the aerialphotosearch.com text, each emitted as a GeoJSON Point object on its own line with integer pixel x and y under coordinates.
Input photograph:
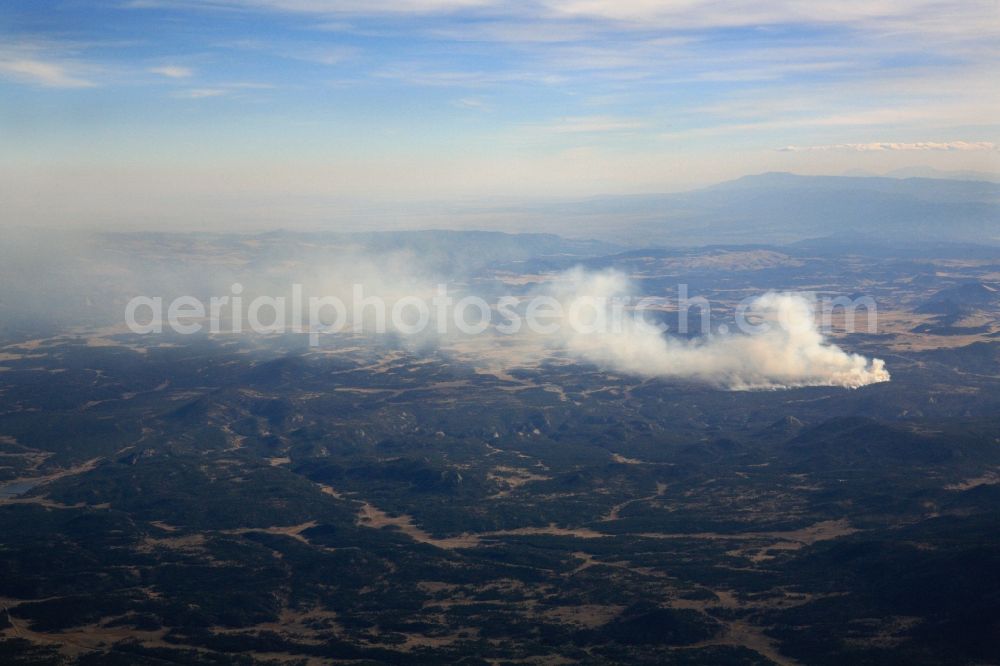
{"type": "Point", "coordinates": [444, 313]}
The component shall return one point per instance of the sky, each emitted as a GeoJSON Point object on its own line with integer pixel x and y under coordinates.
{"type": "Point", "coordinates": [183, 113]}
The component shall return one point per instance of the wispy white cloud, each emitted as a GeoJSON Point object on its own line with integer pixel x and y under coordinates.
{"type": "Point", "coordinates": [893, 146]}
{"type": "Point", "coordinates": [172, 71]}
{"type": "Point", "coordinates": [324, 6]}
{"type": "Point", "coordinates": [249, 85]}
{"type": "Point", "coordinates": [910, 118]}
{"type": "Point", "coordinates": [682, 14]}
{"type": "Point", "coordinates": [513, 32]}
{"type": "Point", "coordinates": [321, 54]}
{"type": "Point", "coordinates": [593, 124]}
{"type": "Point", "coordinates": [201, 93]}
{"type": "Point", "coordinates": [42, 73]}
{"type": "Point", "coordinates": [771, 71]}
{"type": "Point", "coordinates": [696, 14]}
{"type": "Point", "coordinates": [221, 90]}
{"type": "Point", "coordinates": [419, 75]}
{"type": "Point", "coordinates": [472, 103]}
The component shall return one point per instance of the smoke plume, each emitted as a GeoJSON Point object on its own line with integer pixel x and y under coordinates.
{"type": "Point", "coordinates": [787, 351]}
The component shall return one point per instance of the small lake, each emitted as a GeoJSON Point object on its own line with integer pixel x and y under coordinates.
{"type": "Point", "coordinates": [15, 488]}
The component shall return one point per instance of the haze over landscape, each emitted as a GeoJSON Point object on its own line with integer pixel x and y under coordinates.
{"type": "Point", "coordinates": [477, 332]}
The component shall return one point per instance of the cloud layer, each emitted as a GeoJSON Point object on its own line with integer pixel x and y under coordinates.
{"type": "Point", "coordinates": [895, 146]}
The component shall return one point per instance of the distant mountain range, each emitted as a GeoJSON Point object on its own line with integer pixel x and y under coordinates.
{"type": "Point", "coordinates": [784, 208]}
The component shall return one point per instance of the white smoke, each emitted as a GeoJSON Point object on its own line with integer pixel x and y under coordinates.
{"type": "Point", "coordinates": [789, 351]}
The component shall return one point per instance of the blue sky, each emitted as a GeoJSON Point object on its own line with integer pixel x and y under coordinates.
{"type": "Point", "coordinates": [158, 110]}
